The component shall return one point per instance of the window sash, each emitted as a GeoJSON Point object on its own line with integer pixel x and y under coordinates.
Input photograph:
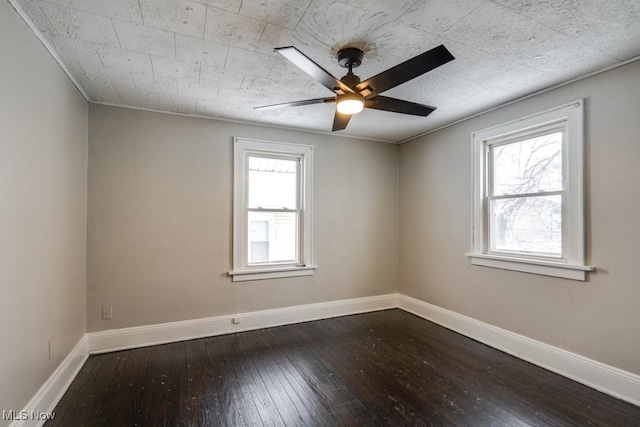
{"type": "Point", "coordinates": [517, 195]}
{"type": "Point", "coordinates": [273, 238]}
{"type": "Point", "coordinates": [298, 180]}
{"type": "Point", "coordinates": [522, 251]}
{"type": "Point", "coordinates": [273, 210]}
{"type": "Point", "coordinates": [520, 136]}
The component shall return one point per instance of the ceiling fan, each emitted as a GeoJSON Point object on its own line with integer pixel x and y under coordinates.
{"type": "Point", "coordinates": [353, 95]}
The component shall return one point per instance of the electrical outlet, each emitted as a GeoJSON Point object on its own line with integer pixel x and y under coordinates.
{"type": "Point", "coordinates": [107, 312]}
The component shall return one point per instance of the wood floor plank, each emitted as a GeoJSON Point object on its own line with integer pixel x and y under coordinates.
{"type": "Point", "coordinates": [248, 373]}
{"type": "Point", "coordinates": [279, 391]}
{"type": "Point", "coordinates": [330, 389]}
{"type": "Point", "coordinates": [382, 382]}
{"type": "Point", "coordinates": [442, 374]}
{"type": "Point", "coordinates": [239, 409]}
{"type": "Point", "coordinates": [382, 368]}
{"type": "Point", "coordinates": [202, 399]}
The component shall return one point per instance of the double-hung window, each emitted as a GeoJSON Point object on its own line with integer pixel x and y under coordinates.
{"type": "Point", "coordinates": [528, 209]}
{"type": "Point", "coordinates": [272, 210]}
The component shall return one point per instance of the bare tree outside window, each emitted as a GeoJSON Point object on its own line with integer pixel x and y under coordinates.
{"type": "Point", "coordinates": [525, 204]}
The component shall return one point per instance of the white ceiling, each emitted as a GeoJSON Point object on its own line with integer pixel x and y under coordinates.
{"type": "Point", "coordinates": [215, 58]}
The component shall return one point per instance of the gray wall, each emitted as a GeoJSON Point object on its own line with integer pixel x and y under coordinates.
{"type": "Point", "coordinates": [159, 236]}
{"type": "Point", "coordinates": [599, 318]}
{"type": "Point", "coordinates": [43, 187]}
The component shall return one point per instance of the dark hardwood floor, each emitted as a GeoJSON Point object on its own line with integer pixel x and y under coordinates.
{"type": "Point", "coordinates": [383, 368]}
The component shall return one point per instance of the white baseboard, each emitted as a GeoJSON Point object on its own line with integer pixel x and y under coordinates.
{"type": "Point", "coordinates": [46, 399]}
{"type": "Point", "coordinates": [142, 336]}
{"type": "Point", "coordinates": [613, 381]}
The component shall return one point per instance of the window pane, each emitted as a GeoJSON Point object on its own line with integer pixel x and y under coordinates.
{"type": "Point", "coordinates": [259, 240]}
{"type": "Point", "coordinates": [527, 224]}
{"type": "Point", "coordinates": [259, 230]}
{"type": "Point", "coordinates": [273, 237]}
{"type": "Point", "coordinates": [530, 166]}
{"type": "Point", "coordinates": [272, 183]}
{"type": "Point", "coordinates": [259, 252]}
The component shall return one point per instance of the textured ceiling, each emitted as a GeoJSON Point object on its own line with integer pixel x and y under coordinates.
{"type": "Point", "coordinates": [215, 58]}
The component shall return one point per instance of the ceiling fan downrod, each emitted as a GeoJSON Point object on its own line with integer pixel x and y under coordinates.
{"type": "Point", "coordinates": [350, 57]}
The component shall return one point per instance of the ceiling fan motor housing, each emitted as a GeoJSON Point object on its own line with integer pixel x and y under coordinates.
{"type": "Point", "coordinates": [350, 80]}
{"type": "Point", "coordinates": [350, 57]}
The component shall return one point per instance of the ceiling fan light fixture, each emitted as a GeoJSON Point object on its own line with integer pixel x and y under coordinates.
{"type": "Point", "coordinates": [350, 103]}
{"type": "Point", "coordinates": [353, 94]}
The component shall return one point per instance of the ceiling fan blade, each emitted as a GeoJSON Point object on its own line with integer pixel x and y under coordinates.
{"type": "Point", "coordinates": [307, 65]}
{"type": "Point", "coordinates": [297, 103]}
{"type": "Point", "coordinates": [394, 105]}
{"type": "Point", "coordinates": [340, 121]}
{"type": "Point", "coordinates": [405, 71]}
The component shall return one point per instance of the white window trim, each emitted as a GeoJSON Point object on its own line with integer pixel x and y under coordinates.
{"type": "Point", "coordinates": [241, 270]}
{"type": "Point", "coordinates": [572, 265]}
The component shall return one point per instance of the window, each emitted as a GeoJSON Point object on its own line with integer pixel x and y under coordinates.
{"type": "Point", "coordinates": [528, 212]}
{"type": "Point", "coordinates": [272, 210]}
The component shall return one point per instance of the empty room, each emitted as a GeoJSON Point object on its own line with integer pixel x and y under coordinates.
{"type": "Point", "coordinates": [319, 212]}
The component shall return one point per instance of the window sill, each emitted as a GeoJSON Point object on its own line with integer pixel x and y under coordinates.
{"type": "Point", "coordinates": [544, 268]}
{"type": "Point", "coordinates": [271, 273]}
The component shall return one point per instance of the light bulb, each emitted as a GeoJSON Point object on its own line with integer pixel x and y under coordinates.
{"type": "Point", "coordinates": [350, 104]}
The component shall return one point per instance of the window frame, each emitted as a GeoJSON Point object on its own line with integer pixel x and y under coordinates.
{"type": "Point", "coordinates": [572, 263]}
{"type": "Point", "coordinates": [242, 270]}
